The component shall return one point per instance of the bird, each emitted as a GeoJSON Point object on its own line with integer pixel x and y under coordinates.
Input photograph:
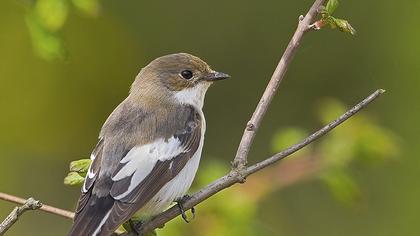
{"type": "Point", "coordinates": [149, 147]}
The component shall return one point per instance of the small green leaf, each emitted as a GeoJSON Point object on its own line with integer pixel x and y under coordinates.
{"type": "Point", "coordinates": [80, 166]}
{"type": "Point", "coordinates": [344, 26]}
{"type": "Point", "coordinates": [331, 22]}
{"type": "Point", "coordinates": [323, 11]}
{"type": "Point", "coordinates": [331, 6]}
{"type": "Point", "coordinates": [73, 178]}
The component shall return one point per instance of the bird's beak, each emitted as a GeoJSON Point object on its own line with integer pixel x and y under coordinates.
{"type": "Point", "coordinates": [214, 76]}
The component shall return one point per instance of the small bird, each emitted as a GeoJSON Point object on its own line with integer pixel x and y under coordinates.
{"type": "Point", "coordinates": [149, 147]}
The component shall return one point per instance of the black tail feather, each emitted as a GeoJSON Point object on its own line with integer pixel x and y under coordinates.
{"type": "Point", "coordinates": [92, 217]}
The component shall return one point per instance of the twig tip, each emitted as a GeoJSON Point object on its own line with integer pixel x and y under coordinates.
{"type": "Point", "coordinates": [301, 17]}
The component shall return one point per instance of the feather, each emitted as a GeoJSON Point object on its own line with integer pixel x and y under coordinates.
{"type": "Point", "coordinates": [143, 176]}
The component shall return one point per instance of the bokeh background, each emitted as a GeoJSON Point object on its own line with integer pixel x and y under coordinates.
{"type": "Point", "coordinates": [65, 64]}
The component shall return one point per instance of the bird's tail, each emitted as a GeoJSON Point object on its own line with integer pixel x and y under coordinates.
{"type": "Point", "coordinates": [89, 221]}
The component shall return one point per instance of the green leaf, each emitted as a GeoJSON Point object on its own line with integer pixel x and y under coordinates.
{"type": "Point", "coordinates": [344, 26]}
{"type": "Point", "coordinates": [331, 6]}
{"type": "Point", "coordinates": [73, 179]}
{"type": "Point", "coordinates": [80, 166]}
{"type": "Point", "coordinates": [77, 174]}
{"type": "Point", "coordinates": [323, 11]}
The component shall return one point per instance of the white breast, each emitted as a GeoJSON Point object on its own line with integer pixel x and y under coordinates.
{"type": "Point", "coordinates": [193, 96]}
{"type": "Point", "coordinates": [178, 186]}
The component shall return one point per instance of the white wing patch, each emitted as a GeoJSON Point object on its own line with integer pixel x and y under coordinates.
{"type": "Point", "coordinates": [140, 160]}
{"type": "Point", "coordinates": [178, 186]}
{"type": "Point", "coordinates": [90, 173]}
{"type": "Point", "coordinates": [174, 189]}
{"type": "Point", "coordinates": [84, 190]}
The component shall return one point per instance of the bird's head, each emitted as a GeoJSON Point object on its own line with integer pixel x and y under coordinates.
{"type": "Point", "coordinates": [180, 77]}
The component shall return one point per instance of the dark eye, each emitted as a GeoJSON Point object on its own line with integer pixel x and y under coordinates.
{"type": "Point", "coordinates": [186, 74]}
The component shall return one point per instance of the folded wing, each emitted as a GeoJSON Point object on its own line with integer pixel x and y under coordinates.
{"type": "Point", "coordinates": [140, 173]}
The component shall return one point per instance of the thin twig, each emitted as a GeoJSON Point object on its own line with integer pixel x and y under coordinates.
{"type": "Point", "coordinates": [46, 208]}
{"type": "Point", "coordinates": [30, 204]}
{"type": "Point", "coordinates": [250, 131]}
{"type": "Point", "coordinates": [314, 136]}
{"type": "Point", "coordinates": [234, 177]}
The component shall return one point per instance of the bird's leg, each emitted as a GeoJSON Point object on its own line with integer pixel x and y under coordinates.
{"type": "Point", "coordinates": [133, 226]}
{"type": "Point", "coordinates": [181, 208]}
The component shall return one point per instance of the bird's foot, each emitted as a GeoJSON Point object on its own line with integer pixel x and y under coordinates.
{"type": "Point", "coordinates": [133, 226]}
{"type": "Point", "coordinates": [180, 203]}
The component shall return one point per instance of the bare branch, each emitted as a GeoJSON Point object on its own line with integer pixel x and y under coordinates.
{"type": "Point", "coordinates": [235, 177]}
{"type": "Point", "coordinates": [271, 89]}
{"type": "Point", "coordinates": [30, 204]}
{"type": "Point", "coordinates": [46, 208]}
{"type": "Point", "coordinates": [314, 136]}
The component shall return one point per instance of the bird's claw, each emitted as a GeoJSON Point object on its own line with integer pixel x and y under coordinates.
{"type": "Point", "coordinates": [181, 208]}
{"type": "Point", "coordinates": [135, 226]}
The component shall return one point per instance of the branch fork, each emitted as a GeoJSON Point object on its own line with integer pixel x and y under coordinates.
{"type": "Point", "coordinates": [30, 204]}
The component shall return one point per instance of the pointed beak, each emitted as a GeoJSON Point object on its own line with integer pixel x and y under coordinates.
{"type": "Point", "coordinates": [214, 76]}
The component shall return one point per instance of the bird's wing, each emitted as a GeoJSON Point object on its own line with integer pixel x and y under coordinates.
{"type": "Point", "coordinates": [146, 169]}
{"type": "Point", "coordinates": [141, 171]}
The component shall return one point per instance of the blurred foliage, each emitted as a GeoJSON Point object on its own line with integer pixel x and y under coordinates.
{"type": "Point", "coordinates": [45, 20]}
{"type": "Point", "coordinates": [358, 140]}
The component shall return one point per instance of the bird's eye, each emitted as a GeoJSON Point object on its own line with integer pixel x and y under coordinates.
{"type": "Point", "coordinates": [186, 74]}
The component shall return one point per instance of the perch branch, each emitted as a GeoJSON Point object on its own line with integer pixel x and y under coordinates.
{"type": "Point", "coordinates": [46, 208]}
{"type": "Point", "coordinates": [235, 177]}
{"type": "Point", "coordinates": [30, 204]}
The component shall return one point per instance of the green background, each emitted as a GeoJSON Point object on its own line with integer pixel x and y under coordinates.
{"type": "Point", "coordinates": [52, 110]}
